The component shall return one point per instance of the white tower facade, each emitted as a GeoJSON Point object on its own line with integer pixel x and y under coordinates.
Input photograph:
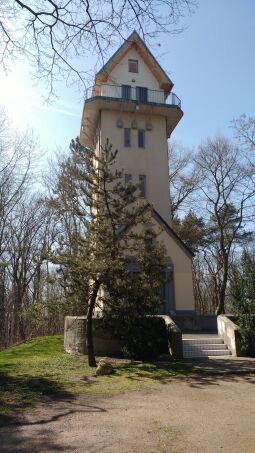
{"type": "Point", "coordinates": [131, 104]}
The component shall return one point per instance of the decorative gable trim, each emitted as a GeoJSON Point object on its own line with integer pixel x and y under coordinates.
{"type": "Point", "coordinates": [134, 41]}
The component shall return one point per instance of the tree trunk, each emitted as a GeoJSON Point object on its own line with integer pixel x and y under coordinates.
{"type": "Point", "coordinates": [89, 333]}
{"type": "Point", "coordinates": [220, 310]}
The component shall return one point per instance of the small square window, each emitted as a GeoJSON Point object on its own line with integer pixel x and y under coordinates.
{"type": "Point", "coordinates": [127, 137]}
{"type": "Point", "coordinates": [141, 138]}
{"type": "Point", "coordinates": [133, 66]}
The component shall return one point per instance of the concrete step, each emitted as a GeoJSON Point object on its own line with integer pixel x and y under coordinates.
{"type": "Point", "coordinates": [204, 346]}
{"type": "Point", "coordinates": [201, 340]}
{"type": "Point", "coordinates": [206, 353]}
{"type": "Point", "coordinates": [195, 347]}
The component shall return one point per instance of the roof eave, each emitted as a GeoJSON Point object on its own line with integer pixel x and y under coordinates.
{"type": "Point", "coordinates": [134, 39]}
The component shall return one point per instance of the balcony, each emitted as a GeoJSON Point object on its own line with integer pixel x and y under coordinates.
{"type": "Point", "coordinates": [127, 99]}
{"type": "Point", "coordinates": [138, 94]}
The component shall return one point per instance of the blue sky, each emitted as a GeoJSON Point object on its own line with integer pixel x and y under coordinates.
{"type": "Point", "coordinates": [212, 65]}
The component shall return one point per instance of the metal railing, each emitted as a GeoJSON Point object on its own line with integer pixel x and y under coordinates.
{"type": "Point", "coordinates": [128, 93]}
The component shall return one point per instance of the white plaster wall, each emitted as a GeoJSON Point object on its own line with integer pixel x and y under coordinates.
{"type": "Point", "coordinates": [182, 266]}
{"type": "Point", "coordinates": [144, 78]}
{"type": "Point", "coordinates": [151, 161]}
{"type": "Point", "coordinates": [183, 284]}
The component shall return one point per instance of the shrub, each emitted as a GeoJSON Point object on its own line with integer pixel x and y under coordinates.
{"type": "Point", "coordinates": [246, 322]}
{"type": "Point", "coordinates": [143, 338]}
{"type": "Point", "coordinates": [242, 298]}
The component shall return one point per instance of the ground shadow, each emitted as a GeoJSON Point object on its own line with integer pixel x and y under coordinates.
{"type": "Point", "coordinates": [17, 393]}
{"type": "Point", "coordinates": [52, 403]}
{"type": "Point", "coordinates": [39, 432]}
{"type": "Point", "coordinates": [217, 371]}
{"type": "Point", "coordinates": [195, 372]}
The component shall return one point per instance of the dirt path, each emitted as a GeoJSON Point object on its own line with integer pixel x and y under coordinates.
{"type": "Point", "coordinates": [197, 414]}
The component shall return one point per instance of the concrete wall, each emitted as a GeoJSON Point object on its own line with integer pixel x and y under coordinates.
{"type": "Point", "coordinates": [229, 331]}
{"type": "Point", "coordinates": [105, 344]}
{"type": "Point", "coordinates": [75, 338]}
{"type": "Point", "coordinates": [174, 337]}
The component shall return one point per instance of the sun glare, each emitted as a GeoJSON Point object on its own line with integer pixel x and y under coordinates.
{"type": "Point", "coordinates": [15, 98]}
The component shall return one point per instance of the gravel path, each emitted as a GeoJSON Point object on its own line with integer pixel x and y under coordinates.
{"type": "Point", "coordinates": [206, 413]}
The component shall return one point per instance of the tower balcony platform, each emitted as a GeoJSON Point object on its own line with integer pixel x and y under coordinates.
{"type": "Point", "coordinates": [139, 94]}
{"type": "Point", "coordinates": [127, 99]}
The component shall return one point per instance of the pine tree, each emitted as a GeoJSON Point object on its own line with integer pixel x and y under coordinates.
{"type": "Point", "coordinates": [191, 229]}
{"type": "Point", "coordinates": [248, 266]}
{"type": "Point", "coordinates": [236, 289]}
{"type": "Point", "coordinates": [112, 238]}
{"type": "Point", "coordinates": [242, 297]}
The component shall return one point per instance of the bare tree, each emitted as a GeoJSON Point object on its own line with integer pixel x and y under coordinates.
{"type": "Point", "coordinates": [204, 288]}
{"type": "Point", "coordinates": [25, 247]}
{"type": "Point", "coordinates": [16, 150]}
{"type": "Point", "coordinates": [244, 129]}
{"type": "Point", "coordinates": [183, 178]}
{"type": "Point", "coordinates": [52, 35]}
{"type": "Point", "coordinates": [32, 299]}
{"type": "Point", "coordinates": [227, 190]}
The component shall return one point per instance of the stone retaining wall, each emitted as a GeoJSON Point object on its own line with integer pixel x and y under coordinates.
{"type": "Point", "coordinates": [230, 332]}
{"type": "Point", "coordinates": [105, 344]}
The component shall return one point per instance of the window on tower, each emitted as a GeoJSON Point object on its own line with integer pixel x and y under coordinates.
{"type": "Point", "coordinates": [141, 138]}
{"type": "Point", "coordinates": [142, 185]}
{"type": "Point", "coordinates": [127, 137]}
{"type": "Point", "coordinates": [133, 66]}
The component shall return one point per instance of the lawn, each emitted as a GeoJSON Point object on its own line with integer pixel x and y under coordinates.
{"type": "Point", "coordinates": [40, 369]}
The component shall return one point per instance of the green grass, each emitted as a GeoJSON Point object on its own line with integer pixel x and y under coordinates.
{"type": "Point", "coordinates": [41, 369]}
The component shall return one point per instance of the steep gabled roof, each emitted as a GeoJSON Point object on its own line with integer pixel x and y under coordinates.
{"type": "Point", "coordinates": [167, 228]}
{"type": "Point", "coordinates": [172, 233]}
{"type": "Point", "coordinates": [134, 41]}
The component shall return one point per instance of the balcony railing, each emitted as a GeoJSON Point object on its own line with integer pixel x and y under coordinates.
{"type": "Point", "coordinates": [128, 93]}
